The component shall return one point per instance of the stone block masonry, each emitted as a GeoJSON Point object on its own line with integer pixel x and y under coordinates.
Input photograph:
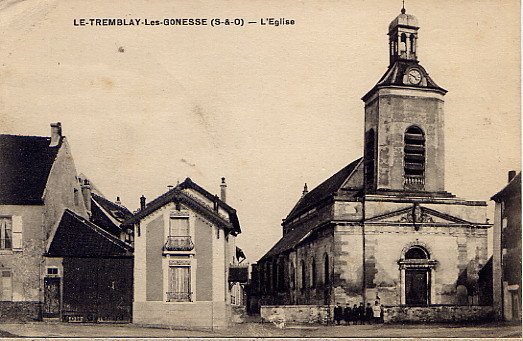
{"type": "Point", "coordinates": [442, 313]}
{"type": "Point", "coordinates": [20, 311]}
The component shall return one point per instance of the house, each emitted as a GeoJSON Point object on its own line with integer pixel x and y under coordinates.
{"type": "Point", "coordinates": [383, 228]}
{"type": "Point", "coordinates": [63, 249]}
{"type": "Point", "coordinates": [37, 183]}
{"type": "Point", "coordinates": [184, 245]}
{"type": "Point", "coordinates": [506, 257]}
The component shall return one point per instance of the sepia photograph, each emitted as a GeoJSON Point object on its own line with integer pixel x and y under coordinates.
{"type": "Point", "coordinates": [260, 169]}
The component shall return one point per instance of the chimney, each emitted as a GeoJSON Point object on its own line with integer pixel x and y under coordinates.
{"type": "Point", "coordinates": [56, 134]}
{"type": "Point", "coordinates": [511, 175]}
{"type": "Point", "coordinates": [86, 193]}
{"type": "Point", "coordinates": [118, 202]}
{"type": "Point", "coordinates": [223, 190]}
{"type": "Point", "coordinates": [305, 190]}
{"type": "Point", "coordinates": [142, 202]}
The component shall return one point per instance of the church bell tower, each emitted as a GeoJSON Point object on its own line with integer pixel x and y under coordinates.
{"type": "Point", "coordinates": [404, 142]}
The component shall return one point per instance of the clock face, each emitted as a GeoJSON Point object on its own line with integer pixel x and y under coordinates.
{"type": "Point", "coordinates": [414, 76]}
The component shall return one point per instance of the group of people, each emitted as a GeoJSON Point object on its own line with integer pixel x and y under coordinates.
{"type": "Point", "coordinates": [358, 314]}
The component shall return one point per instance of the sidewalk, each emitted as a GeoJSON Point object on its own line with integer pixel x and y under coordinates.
{"type": "Point", "coordinates": [58, 330]}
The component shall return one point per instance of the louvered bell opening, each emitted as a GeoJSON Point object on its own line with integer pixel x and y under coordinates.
{"type": "Point", "coordinates": [414, 159]}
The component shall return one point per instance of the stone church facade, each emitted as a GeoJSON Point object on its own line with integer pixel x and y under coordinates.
{"type": "Point", "coordinates": [383, 227]}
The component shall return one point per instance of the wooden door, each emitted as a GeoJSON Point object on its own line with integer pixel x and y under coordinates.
{"type": "Point", "coordinates": [416, 287]}
{"type": "Point", "coordinates": [51, 297]}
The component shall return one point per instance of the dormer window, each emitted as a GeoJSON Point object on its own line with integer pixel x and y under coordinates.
{"type": "Point", "coordinates": [414, 159]}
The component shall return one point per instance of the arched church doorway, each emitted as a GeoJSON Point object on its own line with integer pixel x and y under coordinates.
{"type": "Point", "coordinates": [416, 272]}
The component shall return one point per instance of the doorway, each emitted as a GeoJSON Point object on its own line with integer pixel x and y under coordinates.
{"type": "Point", "coordinates": [51, 307]}
{"type": "Point", "coordinates": [417, 286]}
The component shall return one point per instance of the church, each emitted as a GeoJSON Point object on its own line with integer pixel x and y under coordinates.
{"type": "Point", "coordinates": [383, 228]}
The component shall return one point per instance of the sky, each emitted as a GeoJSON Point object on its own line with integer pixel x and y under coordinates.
{"type": "Point", "coordinates": [268, 107]}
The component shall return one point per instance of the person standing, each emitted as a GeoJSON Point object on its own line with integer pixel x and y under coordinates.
{"type": "Point", "coordinates": [361, 313]}
{"type": "Point", "coordinates": [368, 313]}
{"type": "Point", "coordinates": [376, 312]}
{"type": "Point", "coordinates": [347, 314]}
{"type": "Point", "coordinates": [355, 314]}
{"type": "Point", "coordinates": [338, 313]}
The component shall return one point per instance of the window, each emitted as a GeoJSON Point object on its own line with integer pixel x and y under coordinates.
{"type": "Point", "coordinates": [292, 276]}
{"type": "Point", "coordinates": [75, 197]}
{"type": "Point", "coordinates": [326, 271]}
{"type": "Point", "coordinates": [414, 159]}
{"type": "Point", "coordinates": [6, 237]}
{"type": "Point", "coordinates": [179, 226]}
{"type": "Point", "coordinates": [179, 238]}
{"type": "Point", "coordinates": [370, 151]}
{"type": "Point", "coordinates": [303, 275]}
{"type": "Point", "coordinates": [416, 252]}
{"type": "Point", "coordinates": [52, 271]}
{"type": "Point", "coordinates": [274, 278]}
{"type": "Point", "coordinates": [6, 286]}
{"type": "Point", "coordinates": [313, 273]}
{"type": "Point", "coordinates": [281, 275]}
{"type": "Point", "coordinates": [179, 284]}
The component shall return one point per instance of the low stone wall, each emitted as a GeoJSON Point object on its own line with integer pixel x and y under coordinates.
{"type": "Point", "coordinates": [442, 313]}
{"type": "Point", "coordinates": [20, 311]}
{"type": "Point", "coordinates": [296, 313]}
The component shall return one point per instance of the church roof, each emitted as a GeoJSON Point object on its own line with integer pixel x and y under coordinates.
{"type": "Point", "coordinates": [177, 194]}
{"type": "Point", "coordinates": [323, 191]}
{"type": "Point", "coordinates": [326, 189]}
{"type": "Point", "coordinates": [25, 164]}
{"type": "Point", "coordinates": [77, 237]}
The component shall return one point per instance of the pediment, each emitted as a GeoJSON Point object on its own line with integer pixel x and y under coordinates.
{"type": "Point", "coordinates": [417, 214]}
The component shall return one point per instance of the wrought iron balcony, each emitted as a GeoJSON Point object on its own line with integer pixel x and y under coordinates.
{"type": "Point", "coordinates": [173, 296]}
{"type": "Point", "coordinates": [178, 243]}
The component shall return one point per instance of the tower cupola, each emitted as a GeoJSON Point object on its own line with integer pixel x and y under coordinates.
{"type": "Point", "coordinates": [403, 36]}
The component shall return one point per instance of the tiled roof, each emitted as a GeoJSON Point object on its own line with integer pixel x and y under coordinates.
{"type": "Point", "coordinates": [25, 163]}
{"type": "Point", "coordinates": [77, 237]}
{"type": "Point", "coordinates": [322, 191]}
{"type": "Point", "coordinates": [312, 199]}
{"type": "Point", "coordinates": [177, 194]}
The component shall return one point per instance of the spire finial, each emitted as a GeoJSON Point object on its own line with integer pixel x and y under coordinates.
{"type": "Point", "coordinates": [305, 190]}
{"type": "Point", "coordinates": [403, 8]}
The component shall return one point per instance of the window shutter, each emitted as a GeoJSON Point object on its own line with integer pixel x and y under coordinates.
{"type": "Point", "coordinates": [17, 233]}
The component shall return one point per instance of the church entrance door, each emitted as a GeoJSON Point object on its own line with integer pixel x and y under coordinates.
{"type": "Point", "coordinates": [416, 286]}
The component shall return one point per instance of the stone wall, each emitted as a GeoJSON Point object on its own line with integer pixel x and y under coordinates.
{"type": "Point", "coordinates": [296, 313]}
{"type": "Point", "coordinates": [20, 311]}
{"type": "Point", "coordinates": [441, 313]}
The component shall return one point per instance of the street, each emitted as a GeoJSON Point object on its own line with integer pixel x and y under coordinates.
{"type": "Point", "coordinates": [255, 330]}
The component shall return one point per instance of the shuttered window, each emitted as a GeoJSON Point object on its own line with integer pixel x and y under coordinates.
{"type": "Point", "coordinates": [179, 284]}
{"type": "Point", "coordinates": [179, 226]}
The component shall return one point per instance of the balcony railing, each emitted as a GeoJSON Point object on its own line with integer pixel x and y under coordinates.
{"type": "Point", "coordinates": [179, 296]}
{"type": "Point", "coordinates": [413, 182]}
{"type": "Point", "coordinates": [178, 243]}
